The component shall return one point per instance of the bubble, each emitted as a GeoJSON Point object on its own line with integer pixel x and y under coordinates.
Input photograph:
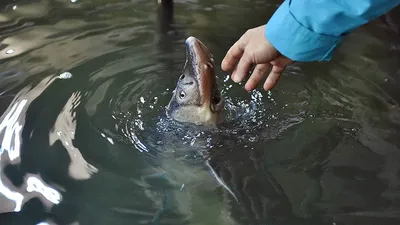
{"type": "Point", "coordinates": [10, 51]}
{"type": "Point", "coordinates": [254, 139]}
{"type": "Point", "coordinates": [65, 75]}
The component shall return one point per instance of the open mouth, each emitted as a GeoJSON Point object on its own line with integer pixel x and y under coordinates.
{"type": "Point", "coordinates": [216, 99]}
{"type": "Point", "coordinates": [215, 94]}
{"type": "Point", "coordinates": [203, 63]}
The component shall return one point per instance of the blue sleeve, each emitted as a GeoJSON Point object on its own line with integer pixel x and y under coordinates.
{"type": "Point", "coordinates": [310, 30]}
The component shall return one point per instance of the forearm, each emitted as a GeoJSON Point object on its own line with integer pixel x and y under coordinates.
{"type": "Point", "coordinates": [310, 30]}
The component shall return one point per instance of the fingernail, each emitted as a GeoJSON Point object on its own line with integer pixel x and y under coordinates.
{"type": "Point", "coordinates": [236, 78]}
{"type": "Point", "coordinates": [233, 77]}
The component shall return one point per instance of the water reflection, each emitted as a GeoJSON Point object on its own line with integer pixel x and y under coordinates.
{"type": "Point", "coordinates": [64, 131]}
{"type": "Point", "coordinates": [12, 130]}
{"type": "Point", "coordinates": [85, 139]}
{"type": "Point", "coordinates": [16, 197]}
{"type": "Point", "coordinates": [11, 127]}
{"type": "Point", "coordinates": [36, 185]}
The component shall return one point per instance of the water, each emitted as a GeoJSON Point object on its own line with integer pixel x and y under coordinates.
{"type": "Point", "coordinates": [84, 137]}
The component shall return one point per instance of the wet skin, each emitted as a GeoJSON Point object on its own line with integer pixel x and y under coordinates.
{"type": "Point", "coordinates": [196, 98]}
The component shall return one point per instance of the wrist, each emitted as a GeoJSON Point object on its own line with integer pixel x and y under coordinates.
{"type": "Point", "coordinates": [297, 42]}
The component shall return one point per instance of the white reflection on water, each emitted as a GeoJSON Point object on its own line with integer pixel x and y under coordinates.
{"type": "Point", "coordinates": [34, 184]}
{"type": "Point", "coordinates": [12, 123]}
{"type": "Point", "coordinates": [50, 222]}
{"type": "Point", "coordinates": [13, 196]}
{"type": "Point", "coordinates": [12, 129]}
{"type": "Point", "coordinates": [64, 130]}
{"type": "Point", "coordinates": [10, 51]}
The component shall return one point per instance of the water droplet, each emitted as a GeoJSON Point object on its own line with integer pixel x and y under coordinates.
{"type": "Point", "coordinates": [142, 100]}
{"type": "Point", "coordinates": [160, 143]}
{"type": "Point", "coordinates": [253, 139]}
{"type": "Point", "coordinates": [14, 7]}
{"type": "Point", "coordinates": [110, 140]}
{"type": "Point", "coordinates": [226, 78]}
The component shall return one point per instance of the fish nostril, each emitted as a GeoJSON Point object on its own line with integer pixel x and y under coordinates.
{"type": "Point", "coordinates": [182, 76]}
{"type": "Point", "coordinates": [189, 83]}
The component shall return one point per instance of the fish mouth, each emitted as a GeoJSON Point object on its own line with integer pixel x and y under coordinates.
{"type": "Point", "coordinates": [202, 62]}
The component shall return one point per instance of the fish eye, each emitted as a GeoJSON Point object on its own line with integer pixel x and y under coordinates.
{"type": "Point", "coordinates": [182, 94]}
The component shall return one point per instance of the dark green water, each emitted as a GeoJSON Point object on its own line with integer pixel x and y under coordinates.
{"type": "Point", "coordinates": [96, 148]}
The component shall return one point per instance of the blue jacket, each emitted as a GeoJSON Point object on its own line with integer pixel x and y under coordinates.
{"type": "Point", "coordinates": [310, 30]}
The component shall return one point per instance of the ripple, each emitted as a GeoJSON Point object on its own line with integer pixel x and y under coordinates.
{"type": "Point", "coordinates": [86, 131]}
{"type": "Point", "coordinates": [139, 114]}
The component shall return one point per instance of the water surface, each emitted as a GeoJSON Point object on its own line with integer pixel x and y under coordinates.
{"type": "Point", "coordinates": [85, 140]}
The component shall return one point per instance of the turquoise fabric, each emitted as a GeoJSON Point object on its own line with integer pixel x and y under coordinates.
{"type": "Point", "coordinates": [311, 30]}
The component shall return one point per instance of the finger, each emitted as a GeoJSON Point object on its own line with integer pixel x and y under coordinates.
{"type": "Point", "coordinates": [282, 61]}
{"type": "Point", "coordinates": [233, 56]}
{"type": "Point", "coordinates": [256, 76]}
{"type": "Point", "coordinates": [242, 69]}
{"type": "Point", "coordinates": [273, 77]}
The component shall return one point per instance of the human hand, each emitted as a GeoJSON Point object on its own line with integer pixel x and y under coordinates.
{"type": "Point", "coordinates": [253, 48]}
